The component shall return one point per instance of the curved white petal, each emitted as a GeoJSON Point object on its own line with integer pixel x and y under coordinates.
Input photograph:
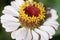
{"type": "Point", "coordinates": [11, 11]}
{"type": "Point", "coordinates": [35, 35]}
{"type": "Point", "coordinates": [53, 14]}
{"type": "Point", "coordinates": [52, 23]}
{"type": "Point", "coordinates": [7, 17]}
{"type": "Point", "coordinates": [9, 23]}
{"type": "Point", "coordinates": [44, 35]}
{"type": "Point", "coordinates": [19, 2]}
{"type": "Point", "coordinates": [19, 34]}
{"type": "Point", "coordinates": [10, 27]}
{"type": "Point", "coordinates": [48, 29]}
{"type": "Point", "coordinates": [56, 26]}
{"type": "Point", "coordinates": [15, 5]}
{"type": "Point", "coordinates": [29, 35]}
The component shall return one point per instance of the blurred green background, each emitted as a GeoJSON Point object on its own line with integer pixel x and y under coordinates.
{"type": "Point", "coordinates": [49, 3]}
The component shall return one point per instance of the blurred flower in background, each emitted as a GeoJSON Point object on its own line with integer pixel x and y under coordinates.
{"type": "Point", "coordinates": [53, 4]}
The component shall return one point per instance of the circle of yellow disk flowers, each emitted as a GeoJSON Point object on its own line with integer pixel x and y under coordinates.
{"type": "Point", "coordinates": [25, 16]}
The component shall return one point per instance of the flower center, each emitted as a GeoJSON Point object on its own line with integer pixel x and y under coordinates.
{"type": "Point", "coordinates": [32, 15]}
{"type": "Point", "coordinates": [32, 11]}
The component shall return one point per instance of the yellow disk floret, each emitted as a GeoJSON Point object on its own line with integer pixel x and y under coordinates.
{"type": "Point", "coordinates": [32, 19]}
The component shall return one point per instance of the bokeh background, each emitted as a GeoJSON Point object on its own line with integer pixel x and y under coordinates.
{"type": "Point", "coordinates": [49, 3]}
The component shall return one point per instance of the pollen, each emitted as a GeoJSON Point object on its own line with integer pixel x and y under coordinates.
{"type": "Point", "coordinates": [31, 14]}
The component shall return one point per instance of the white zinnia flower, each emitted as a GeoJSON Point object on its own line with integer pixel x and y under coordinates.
{"type": "Point", "coordinates": [11, 22]}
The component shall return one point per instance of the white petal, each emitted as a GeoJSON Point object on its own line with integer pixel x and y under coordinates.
{"type": "Point", "coordinates": [50, 22]}
{"type": "Point", "coordinates": [9, 23]}
{"type": "Point", "coordinates": [54, 14]}
{"type": "Point", "coordinates": [7, 17]}
{"type": "Point", "coordinates": [19, 2]}
{"type": "Point", "coordinates": [15, 5]}
{"type": "Point", "coordinates": [56, 26]}
{"type": "Point", "coordinates": [48, 29]}
{"type": "Point", "coordinates": [11, 11]}
{"type": "Point", "coordinates": [44, 35]}
{"type": "Point", "coordinates": [29, 35]}
{"type": "Point", "coordinates": [10, 27]}
{"type": "Point", "coordinates": [19, 34]}
{"type": "Point", "coordinates": [35, 35]}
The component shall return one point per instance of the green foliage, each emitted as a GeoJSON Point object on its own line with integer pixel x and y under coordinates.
{"type": "Point", "coordinates": [49, 3]}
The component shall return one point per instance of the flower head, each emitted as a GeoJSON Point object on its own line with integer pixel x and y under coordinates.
{"type": "Point", "coordinates": [29, 20]}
